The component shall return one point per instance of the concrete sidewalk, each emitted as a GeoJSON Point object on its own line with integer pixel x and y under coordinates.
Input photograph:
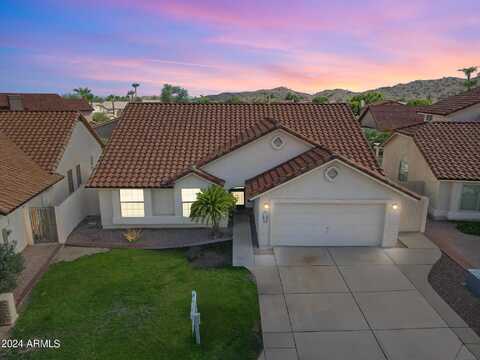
{"type": "Point", "coordinates": [357, 303]}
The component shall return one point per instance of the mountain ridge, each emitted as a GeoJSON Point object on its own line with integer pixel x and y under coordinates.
{"type": "Point", "coordinates": [434, 89]}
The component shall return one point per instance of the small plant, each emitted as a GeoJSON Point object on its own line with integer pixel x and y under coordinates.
{"type": "Point", "coordinates": [212, 205]}
{"type": "Point", "coordinates": [132, 235]}
{"type": "Point", "coordinates": [11, 264]}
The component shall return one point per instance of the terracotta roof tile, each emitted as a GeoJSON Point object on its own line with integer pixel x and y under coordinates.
{"type": "Point", "coordinates": [20, 177]}
{"type": "Point", "coordinates": [453, 103]}
{"type": "Point", "coordinates": [78, 104]}
{"type": "Point", "coordinates": [452, 149]}
{"type": "Point", "coordinates": [391, 115]}
{"type": "Point", "coordinates": [155, 143]}
{"type": "Point", "coordinates": [43, 135]}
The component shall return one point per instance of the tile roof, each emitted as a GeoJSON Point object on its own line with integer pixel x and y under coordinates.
{"type": "Point", "coordinates": [36, 102]}
{"type": "Point", "coordinates": [303, 163]}
{"type": "Point", "coordinates": [78, 104]}
{"type": "Point", "coordinates": [154, 143]}
{"type": "Point", "coordinates": [42, 135]}
{"type": "Point", "coordinates": [453, 103]}
{"type": "Point", "coordinates": [452, 149]}
{"type": "Point", "coordinates": [20, 177]}
{"type": "Point", "coordinates": [391, 115]}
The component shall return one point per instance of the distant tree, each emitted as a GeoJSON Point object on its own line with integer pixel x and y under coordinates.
{"type": "Point", "coordinates": [84, 93]}
{"type": "Point", "coordinates": [270, 98]}
{"type": "Point", "coordinates": [359, 101]}
{"type": "Point", "coordinates": [469, 71]}
{"type": "Point", "coordinates": [419, 102]}
{"type": "Point", "coordinates": [375, 137]}
{"type": "Point", "coordinates": [171, 93]}
{"type": "Point", "coordinates": [234, 100]}
{"type": "Point", "coordinates": [320, 100]}
{"type": "Point", "coordinates": [135, 86]}
{"type": "Point", "coordinates": [293, 97]}
{"type": "Point", "coordinates": [201, 100]}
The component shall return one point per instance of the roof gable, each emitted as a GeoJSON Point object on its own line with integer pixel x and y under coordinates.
{"type": "Point", "coordinates": [451, 149]}
{"type": "Point", "coordinates": [154, 143]}
{"type": "Point", "coordinates": [20, 177]}
{"type": "Point", "coordinates": [43, 136]}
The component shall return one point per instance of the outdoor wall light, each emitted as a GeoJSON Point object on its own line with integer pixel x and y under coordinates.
{"type": "Point", "coordinates": [395, 206]}
{"type": "Point", "coordinates": [266, 206]}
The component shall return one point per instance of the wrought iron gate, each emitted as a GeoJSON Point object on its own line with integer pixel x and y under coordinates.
{"type": "Point", "coordinates": [44, 224]}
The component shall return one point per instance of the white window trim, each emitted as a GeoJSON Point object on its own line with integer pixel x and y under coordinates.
{"type": "Point", "coordinates": [135, 201]}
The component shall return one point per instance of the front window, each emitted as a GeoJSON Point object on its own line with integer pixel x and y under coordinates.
{"type": "Point", "coordinates": [470, 200]}
{"type": "Point", "coordinates": [79, 175]}
{"type": "Point", "coordinates": [239, 195]}
{"type": "Point", "coordinates": [132, 203]}
{"type": "Point", "coordinates": [189, 196]}
{"type": "Point", "coordinates": [71, 187]}
{"type": "Point", "coordinates": [403, 171]}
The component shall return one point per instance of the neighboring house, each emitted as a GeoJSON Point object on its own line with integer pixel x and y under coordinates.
{"type": "Point", "coordinates": [43, 102]}
{"type": "Point", "coordinates": [306, 169]}
{"type": "Point", "coordinates": [111, 109]}
{"type": "Point", "coordinates": [461, 107]}
{"type": "Point", "coordinates": [442, 161]}
{"type": "Point", "coordinates": [65, 147]}
{"type": "Point", "coordinates": [81, 105]}
{"type": "Point", "coordinates": [388, 116]}
{"type": "Point", "coordinates": [104, 130]}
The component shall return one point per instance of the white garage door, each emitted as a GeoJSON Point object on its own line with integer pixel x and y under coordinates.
{"type": "Point", "coordinates": [314, 224]}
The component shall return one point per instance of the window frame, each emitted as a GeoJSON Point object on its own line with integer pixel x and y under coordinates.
{"type": "Point", "coordinates": [477, 199]}
{"type": "Point", "coordinates": [71, 184]}
{"type": "Point", "coordinates": [189, 202]}
{"type": "Point", "coordinates": [402, 174]}
{"type": "Point", "coordinates": [126, 201]}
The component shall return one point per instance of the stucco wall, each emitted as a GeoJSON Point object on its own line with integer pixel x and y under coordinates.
{"type": "Point", "coordinates": [349, 185]}
{"type": "Point", "coordinates": [471, 113]}
{"type": "Point", "coordinates": [80, 148]}
{"type": "Point", "coordinates": [255, 158]}
{"type": "Point", "coordinates": [368, 121]}
{"type": "Point", "coordinates": [403, 147]}
{"type": "Point", "coordinates": [163, 207]}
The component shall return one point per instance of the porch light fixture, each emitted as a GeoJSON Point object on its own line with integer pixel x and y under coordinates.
{"type": "Point", "coordinates": [395, 206]}
{"type": "Point", "coordinates": [266, 206]}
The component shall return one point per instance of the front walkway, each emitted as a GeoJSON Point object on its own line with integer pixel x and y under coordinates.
{"type": "Point", "coordinates": [356, 303]}
{"type": "Point", "coordinates": [463, 248]}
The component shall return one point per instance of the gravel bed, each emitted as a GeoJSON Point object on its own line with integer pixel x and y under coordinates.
{"type": "Point", "coordinates": [448, 279]}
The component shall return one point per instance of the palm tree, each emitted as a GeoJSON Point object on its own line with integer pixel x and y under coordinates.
{"type": "Point", "coordinates": [468, 73]}
{"type": "Point", "coordinates": [130, 94]}
{"type": "Point", "coordinates": [135, 86]}
{"type": "Point", "coordinates": [84, 93]}
{"type": "Point", "coordinates": [212, 205]}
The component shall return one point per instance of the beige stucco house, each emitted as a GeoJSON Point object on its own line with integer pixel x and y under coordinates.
{"type": "Point", "coordinates": [306, 170]}
{"type": "Point", "coordinates": [43, 197]}
{"type": "Point", "coordinates": [440, 160]}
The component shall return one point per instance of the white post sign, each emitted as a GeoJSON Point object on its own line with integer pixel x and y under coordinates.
{"type": "Point", "coordinates": [195, 317]}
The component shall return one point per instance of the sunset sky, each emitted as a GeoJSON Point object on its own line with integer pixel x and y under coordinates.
{"type": "Point", "coordinates": [213, 46]}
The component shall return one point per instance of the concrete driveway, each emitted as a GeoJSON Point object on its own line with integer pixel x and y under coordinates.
{"type": "Point", "coordinates": [356, 303]}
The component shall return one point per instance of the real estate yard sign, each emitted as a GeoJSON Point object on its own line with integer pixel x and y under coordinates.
{"type": "Point", "coordinates": [195, 317]}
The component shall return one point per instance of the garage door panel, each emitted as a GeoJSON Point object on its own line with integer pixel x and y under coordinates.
{"type": "Point", "coordinates": [327, 224]}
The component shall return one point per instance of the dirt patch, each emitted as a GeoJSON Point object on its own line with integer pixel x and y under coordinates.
{"type": "Point", "coordinates": [210, 256]}
{"type": "Point", "coordinates": [448, 279]}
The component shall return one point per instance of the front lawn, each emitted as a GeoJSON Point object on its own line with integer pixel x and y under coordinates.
{"type": "Point", "coordinates": [135, 304]}
{"type": "Point", "coordinates": [469, 227]}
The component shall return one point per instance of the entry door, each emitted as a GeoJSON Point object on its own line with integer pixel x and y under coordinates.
{"type": "Point", "coordinates": [44, 225]}
{"type": "Point", "coordinates": [318, 224]}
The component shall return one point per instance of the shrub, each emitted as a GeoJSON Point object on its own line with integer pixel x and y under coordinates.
{"type": "Point", "coordinates": [132, 235]}
{"type": "Point", "coordinates": [11, 264]}
{"type": "Point", "coordinates": [212, 205]}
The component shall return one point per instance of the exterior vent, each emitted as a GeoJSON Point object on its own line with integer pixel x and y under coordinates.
{"type": "Point", "coordinates": [16, 103]}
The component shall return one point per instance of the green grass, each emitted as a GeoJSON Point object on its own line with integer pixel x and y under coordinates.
{"type": "Point", "coordinates": [135, 304]}
{"type": "Point", "coordinates": [469, 227]}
